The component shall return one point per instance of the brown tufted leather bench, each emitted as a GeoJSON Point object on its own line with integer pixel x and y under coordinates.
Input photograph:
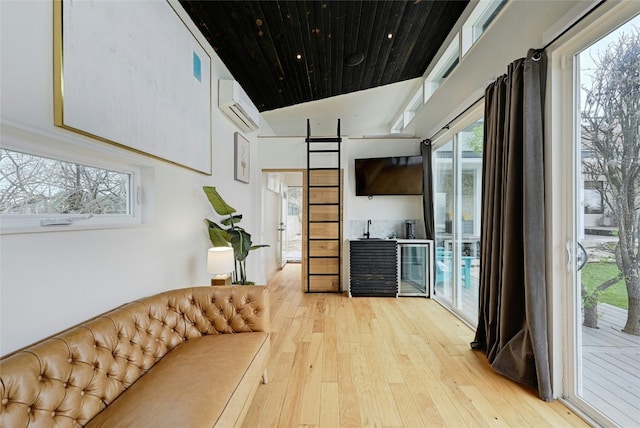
{"type": "Point", "coordinates": [169, 360]}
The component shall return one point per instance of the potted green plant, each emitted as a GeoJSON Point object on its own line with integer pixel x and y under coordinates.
{"type": "Point", "coordinates": [231, 233]}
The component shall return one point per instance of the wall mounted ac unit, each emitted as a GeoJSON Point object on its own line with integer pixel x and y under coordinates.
{"type": "Point", "coordinates": [236, 104]}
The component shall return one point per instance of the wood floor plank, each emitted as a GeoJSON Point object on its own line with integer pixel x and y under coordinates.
{"type": "Point", "coordinates": [407, 408]}
{"type": "Point", "coordinates": [349, 406]}
{"type": "Point", "coordinates": [429, 414]}
{"type": "Point", "coordinates": [386, 356]}
{"type": "Point", "coordinates": [367, 403]}
{"type": "Point", "coordinates": [330, 352]}
{"type": "Point", "coordinates": [290, 410]}
{"type": "Point", "coordinates": [351, 362]}
{"type": "Point", "coordinates": [363, 312]}
{"type": "Point", "coordinates": [485, 408]}
{"type": "Point", "coordinates": [330, 405]}
{"type": "Point", "coordinates": [311, 392]}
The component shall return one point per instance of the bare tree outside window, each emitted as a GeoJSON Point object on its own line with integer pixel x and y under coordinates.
{"type": "Point", "coordinates": [611, 135]}
{"type": "Point", "coordinates": [34, 185]}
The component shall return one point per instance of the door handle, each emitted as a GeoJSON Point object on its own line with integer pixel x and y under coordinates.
{"type": "Point", "coordinates": [582, 257]}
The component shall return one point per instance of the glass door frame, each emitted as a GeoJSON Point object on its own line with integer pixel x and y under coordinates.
{"type": "Point", "coordinates": [452, 136]}
{"type": "Point", "coordinates": [563, 229]}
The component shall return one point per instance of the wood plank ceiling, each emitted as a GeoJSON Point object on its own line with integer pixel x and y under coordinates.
{"type": "Point", "coordinates": [289, 52]}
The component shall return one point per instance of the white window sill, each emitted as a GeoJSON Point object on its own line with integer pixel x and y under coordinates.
{"type": "Point", "coordinates": [66, 228]}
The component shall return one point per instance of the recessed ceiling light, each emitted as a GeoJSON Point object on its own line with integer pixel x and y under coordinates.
{"type": "Point", "coordinates": [298, 56]}
{"type": "Point", "coordinates": [390, 36]}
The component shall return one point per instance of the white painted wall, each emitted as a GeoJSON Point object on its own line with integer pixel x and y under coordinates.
{"type": "Point", "coordinates": [52, 280]}
{"type": "Point", "coordinates": [290, 152]}
{"type": "Point", "coordinates": [398, 207]}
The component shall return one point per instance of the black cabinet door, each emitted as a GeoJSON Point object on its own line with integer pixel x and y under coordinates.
{"type": "Point", "coordinates": [374, 268]}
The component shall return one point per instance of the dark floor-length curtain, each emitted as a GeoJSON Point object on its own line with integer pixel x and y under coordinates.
{"type": "Point", "coordinates": [427, 190]}
{"type": "Point", "coordinates": [512, 320]}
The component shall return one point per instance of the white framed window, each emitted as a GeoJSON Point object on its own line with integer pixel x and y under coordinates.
{"type": "Point", "coordinates": [49, 192]}
{"type": "Point", "coordinates": [414, 106]}
{"type": "Point", "coordinates": [479, 20]}
{"type": "Point", "coordinates": [398, 125]}
{"type": "Point", "coordinates": [445, 65]}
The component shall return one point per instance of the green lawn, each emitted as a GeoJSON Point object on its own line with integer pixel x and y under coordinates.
{"type": "Point", "coordinates": [595, 274]}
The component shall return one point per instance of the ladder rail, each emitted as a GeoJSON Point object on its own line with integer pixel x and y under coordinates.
{"type": "Point", "coordinates": [339, 222]}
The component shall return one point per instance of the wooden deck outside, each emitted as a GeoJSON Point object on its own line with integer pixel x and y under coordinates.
{"type": "Point", "coordinates": [611, 367]}
{"type": "Point", "coordinates": [384, 362]}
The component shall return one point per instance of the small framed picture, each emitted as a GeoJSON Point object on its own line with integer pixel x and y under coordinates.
{"type": "Point", "coordinates": [242, 158]}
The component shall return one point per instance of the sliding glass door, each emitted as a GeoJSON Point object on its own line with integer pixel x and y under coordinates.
{"type": "Point", "coordinates": [602, 369]}
{"type": "Point", "coordinates": [457, 205]}
{"type": "Point", "coordinates": [444, 194]}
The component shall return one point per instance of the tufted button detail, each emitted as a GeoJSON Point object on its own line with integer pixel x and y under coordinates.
{"type": "Point", "coordinates": [40, 378]}
{"type": "Point", "coordinates": [65, 385]}
{"type": "Point", "coordinates": [29, 409]}
{"type": "Point", "coordinates": [5, 401]}
{"type": "Point", "coordinates": [173, 331]}
{"type": "Point", "coordinates": [53, 414]}
{"type": "Point", "coordinates": [82, 393]}
{"type": "Point", "coordinates": [70, 360]}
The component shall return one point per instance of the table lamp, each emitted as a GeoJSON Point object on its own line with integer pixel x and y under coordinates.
{"type": "Point", "coordinates": [221, 262]}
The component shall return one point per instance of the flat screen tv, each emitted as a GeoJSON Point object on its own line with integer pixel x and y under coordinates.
{"type": "Point", "coordinates": [398, 175]}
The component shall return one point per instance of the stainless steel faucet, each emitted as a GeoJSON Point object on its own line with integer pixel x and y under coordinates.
{"type": "Point", "coordinates": [367, 234]}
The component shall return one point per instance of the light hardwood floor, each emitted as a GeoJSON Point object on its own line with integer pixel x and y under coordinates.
{"type": "Point", "coordinates": [384, 362]}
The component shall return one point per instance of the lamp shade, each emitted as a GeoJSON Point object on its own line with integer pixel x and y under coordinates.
{"type": "Point", "coordinates": [220, 260]}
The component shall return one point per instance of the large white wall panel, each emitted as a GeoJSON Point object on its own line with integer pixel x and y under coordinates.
{"type": "Point", "coordinates": [52, 280]}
